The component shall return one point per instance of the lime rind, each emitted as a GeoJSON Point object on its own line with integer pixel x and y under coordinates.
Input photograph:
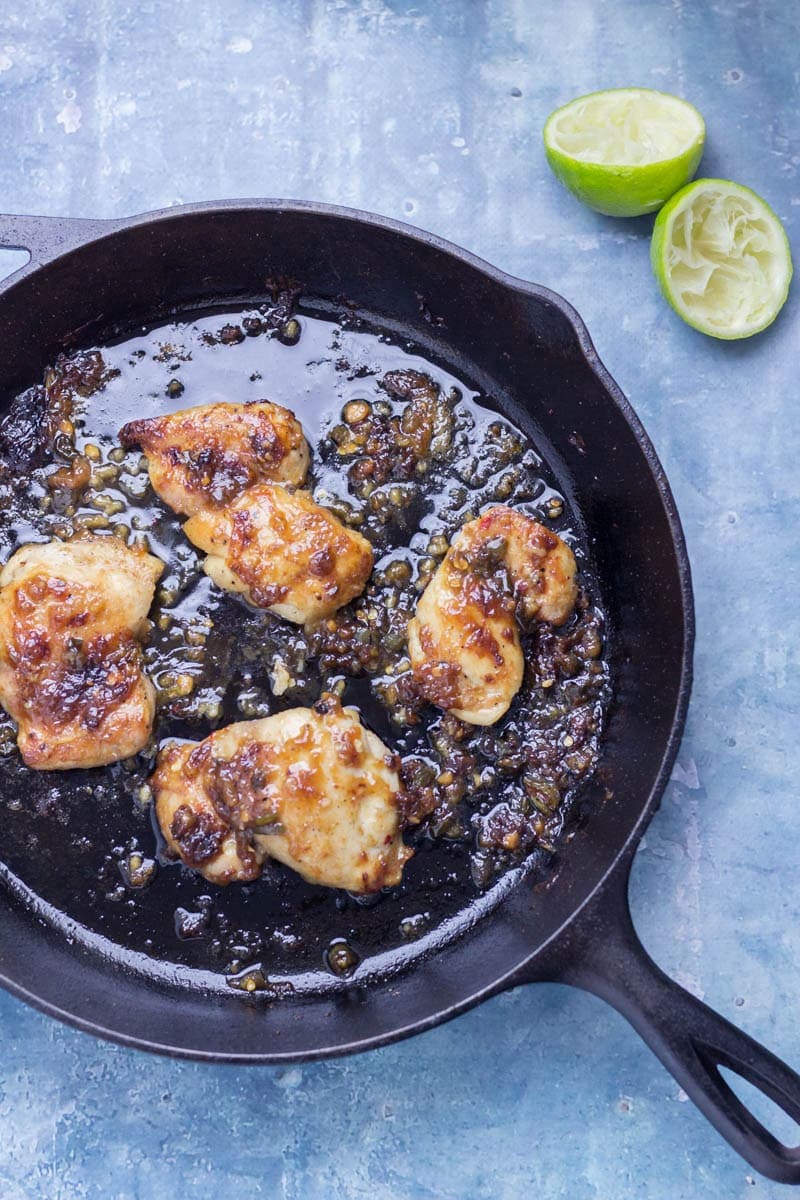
{"type": "Point", "coordinates": [624, 151]}
{"type": "Point", "coordinates": [722, 258]}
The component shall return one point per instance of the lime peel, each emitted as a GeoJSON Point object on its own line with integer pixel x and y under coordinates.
{"type": "Point", "coordinates": [722, 258]}
{"type": "Point", "coordinates": [625, 151]}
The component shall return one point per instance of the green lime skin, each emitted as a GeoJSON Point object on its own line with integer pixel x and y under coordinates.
{"type": "Point", "coordinates": [707, 317]}
{"type": "Point", "coordinates": [625, 189]}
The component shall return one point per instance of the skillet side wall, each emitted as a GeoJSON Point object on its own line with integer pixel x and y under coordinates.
{"type": "Point", "coordinates": [520, 346]}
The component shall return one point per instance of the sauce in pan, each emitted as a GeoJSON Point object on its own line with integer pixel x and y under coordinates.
{"type": "Point", "coordinates": [86, 842]}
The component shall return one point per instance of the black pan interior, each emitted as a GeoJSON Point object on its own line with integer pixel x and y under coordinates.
{"type": "Point", "coordinates": [520, 348]}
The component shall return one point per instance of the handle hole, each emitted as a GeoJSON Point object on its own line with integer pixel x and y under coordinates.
{"type": "Point", "coordinates": [13, 260]}
{"type": "Point", "coordinates": [774, 1118]}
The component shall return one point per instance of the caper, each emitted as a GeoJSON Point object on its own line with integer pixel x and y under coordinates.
{"type": "Point", "coordinates": [449, 826]}
{"type": "Point", "coordinates": [398, 572]}
{"type": "Point", "coordinates": [418, 773]}
{"type": "Point", "coordinates": [103, 475]}
{"type": "Point", "coordinates": [438, 545]}
{"type": "Point", "coordinates": [411, 927]}
{"type": "Point", "coordinates": [289, 333]}
{"type": "Point", "coordinates": [98, 522]}
{"type": "Point", "coordinates": [139, 871]}
{"type": "Point", "coordinates": [356, 411]}
{"type": "Point", "coordinates": [184, 684]}
{"type": "Point", "coordinates": [511, 762]}
{"type": "Point", "coordinates": [505, 487]}
{"type": "Point", "coordinates": [108, 506]}
{"type": "Point", "coordinates": [341, 958]}
{"type": "Point", "coordinates": [590, 644]}
{"type": "Point", "coordinates": [210, 709]}
{"type": "Point", "coordinates": [174, 389]}
{"type": "Point", "coordinates": [568, 663]}
{"type": "Point", "coordinates": [544, 795]}
{"type": "Point", "coordinates": [341, 435]}
{"type": "Point", "coordinates": [229, 335]}
{"type": "Point", "coordinates": [251, 980]}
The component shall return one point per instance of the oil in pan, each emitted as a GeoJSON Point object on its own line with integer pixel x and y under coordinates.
{"type": "Point", "coordinates": [86, 843]}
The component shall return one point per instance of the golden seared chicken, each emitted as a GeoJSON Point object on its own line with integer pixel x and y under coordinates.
{"type": "Point", "coordinates": [464, 639]}
{"type": "Point", "coordinates": [71, 614]}
{"type": "Point", "coordinates": [310, 786]}
{"type": "Point", "coordinates": [201, 458]}
{"type": "Point", "coordinates": [284, 552]}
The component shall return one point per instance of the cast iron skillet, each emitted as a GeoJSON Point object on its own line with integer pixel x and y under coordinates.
{"type": "Point", "coordinates": [527, 348]}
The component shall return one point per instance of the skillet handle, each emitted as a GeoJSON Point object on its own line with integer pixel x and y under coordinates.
{"type": "Point", "coordinates": [47, 237]}
{"type": "Point", "coordinates": [604, 956]}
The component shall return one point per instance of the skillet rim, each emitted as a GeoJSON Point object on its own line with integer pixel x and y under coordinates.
{"type": "Point", "coordinates": [59, 237]}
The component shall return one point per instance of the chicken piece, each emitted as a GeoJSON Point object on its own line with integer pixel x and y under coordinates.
{"type": "Point", "coordinates": [71, 670]}
{"type": "Point", "coordinates": [201, 458]}
{"type": "Point", "coordinates": [193, 829]}
{"type": "Point", "coordinates": [310, 786]}
{"type": "Point", "coordinates": [464, 639]}
{"type": "Point", "coordinates": [283, 552]}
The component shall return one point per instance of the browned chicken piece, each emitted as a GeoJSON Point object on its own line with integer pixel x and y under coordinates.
{"type": "Point", "coordinates": [71, 676]}
{"type": "Point", "coordinates": [284, 552]}
{"type": "Point", "coordinates": [200, 458]}
{"type": "Point", "coordinates": [464, 639]}
{"type": "Point", "coordinates": [310, 786]}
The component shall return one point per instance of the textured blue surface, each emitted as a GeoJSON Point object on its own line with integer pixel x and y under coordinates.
{"type": "Point", "coordinates": [431, 112]}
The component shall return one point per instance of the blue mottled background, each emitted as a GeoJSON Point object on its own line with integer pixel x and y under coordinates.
{"type": "Point", "coordinates": [431, 112]}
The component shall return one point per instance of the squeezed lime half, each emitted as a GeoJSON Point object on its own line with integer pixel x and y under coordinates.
{"type": "Point", "coordinates": [625, 151]}
{"type": "Point", "coordinates": [722, 258]}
